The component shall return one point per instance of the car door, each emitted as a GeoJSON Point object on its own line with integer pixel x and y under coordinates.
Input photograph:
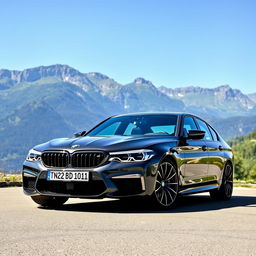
{"type": "Point", "coordinates": [216, 156]}
{"type": "Point", "coordinates": [193, 155]}
{"type": "Point", "coordinates": [214, 149]}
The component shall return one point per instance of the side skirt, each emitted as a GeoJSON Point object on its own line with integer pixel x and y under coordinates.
{"type": "Point", "coordinates": [198, 188]}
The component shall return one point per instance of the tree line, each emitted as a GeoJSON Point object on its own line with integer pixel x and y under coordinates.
{"type": "Point", "coordinates": [245, 156]}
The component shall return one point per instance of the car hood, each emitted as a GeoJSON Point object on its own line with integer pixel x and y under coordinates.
{"type": "Point", "coordinates": [110, 143]}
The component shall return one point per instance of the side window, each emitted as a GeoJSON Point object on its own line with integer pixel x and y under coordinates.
{"type": "Point", "coordinates": [214, 135]}
{"type": "Point", "coordinates": [189, 124]}
{"type": "Point", "coordinates": [204, 127]}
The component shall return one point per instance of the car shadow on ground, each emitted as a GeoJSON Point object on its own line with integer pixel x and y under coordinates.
{"type": "Point", "coordinates": [192, 203]}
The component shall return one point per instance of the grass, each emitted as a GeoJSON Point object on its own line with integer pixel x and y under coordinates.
{"type": "Point", "coordinates": [245, 183]}
{"type": "Point", "coordinates": [10, 177]}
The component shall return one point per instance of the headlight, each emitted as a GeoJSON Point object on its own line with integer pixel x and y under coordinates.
{"type": "Point", "coordinates": [33, 155]}
{"type": "Point", "coordinates": [132, 155]}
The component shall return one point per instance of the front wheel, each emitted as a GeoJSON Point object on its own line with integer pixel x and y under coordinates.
{"type": "Point", "coordinates": [226, 188]}
{"type": "Point", "coordinates": [49, 201]}
{"type": "Point", "coordinates": [166, 188]}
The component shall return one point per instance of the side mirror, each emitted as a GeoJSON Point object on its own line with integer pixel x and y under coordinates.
{"type": "Point", "coordinates": [79, 134]}
{"type": "Point", "coordinates": [195, 134]}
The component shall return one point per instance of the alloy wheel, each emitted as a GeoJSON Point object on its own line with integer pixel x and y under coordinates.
{"type": "Point", "coordinates": [166, 189]}
{"type": "Point", "coordinates": [228, 180]}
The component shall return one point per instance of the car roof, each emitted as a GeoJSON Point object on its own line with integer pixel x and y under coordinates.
{"type": "Point", "coordinates": [155, 113]}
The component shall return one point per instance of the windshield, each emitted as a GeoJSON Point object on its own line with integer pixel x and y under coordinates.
{"type": "Point", "coordinates": [137, 125]}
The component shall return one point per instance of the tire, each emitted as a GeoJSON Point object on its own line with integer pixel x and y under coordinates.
{"type": "Point", "coordinates": [49, 201]}
{"type": "Point", "coordinates": [226, 188]}
{"type": "Point", "coordinates": [167, 185]}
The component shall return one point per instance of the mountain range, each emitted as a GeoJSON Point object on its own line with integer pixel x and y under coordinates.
{"type": "Point", "coordinates": [41, 103]}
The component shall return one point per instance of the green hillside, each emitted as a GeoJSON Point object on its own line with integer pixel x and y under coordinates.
{"type": "Point", "coordinates": [67, 99]}
{"type": "Point", "coordinates": [31, 124]}
{"type": "Point", "coordinates": [245, 155]}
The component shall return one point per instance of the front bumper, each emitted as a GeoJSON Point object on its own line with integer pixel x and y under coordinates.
{"type": "Point", "coordinates": [113, 179]}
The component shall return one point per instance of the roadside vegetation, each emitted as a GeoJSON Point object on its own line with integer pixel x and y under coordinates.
{"type": "Point", "coordinates": [245, 158]}
{"type": "Point", "coordinates": [10, 177]}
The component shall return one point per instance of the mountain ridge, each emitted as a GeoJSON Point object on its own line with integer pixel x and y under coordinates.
{"type": "Point", "coordinates": [64, 71]}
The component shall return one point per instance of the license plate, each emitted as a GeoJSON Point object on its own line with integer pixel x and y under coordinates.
{"type": "Point", "coordinates": [68, 176]}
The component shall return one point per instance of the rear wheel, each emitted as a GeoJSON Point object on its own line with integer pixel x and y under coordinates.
{"type": "Point", "coordinates": [166, 188]}
{"type": "Point", "coordinates": [49, 201]}
{"type": "Point", "coordinates": [226, 188]}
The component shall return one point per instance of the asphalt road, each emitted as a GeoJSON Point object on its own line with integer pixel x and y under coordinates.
{"type": "Point", "coordinates": [197, 226]}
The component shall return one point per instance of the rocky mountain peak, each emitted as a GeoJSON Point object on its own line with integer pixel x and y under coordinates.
{"type": "Point", "coordinates": [252, 96]}
{"type": "Point", "coordinates": [33, 74]}
{"type": "Point", "coordinates": [224, 87]}
{"type": "Point", "coordinates": [140, 80]}
{"type": "Point", "coordinates": [226, 92]}
{"type": "Point", "coordinates": [62, 72]}
{"type": "Point", "coordinates": [97, 75]}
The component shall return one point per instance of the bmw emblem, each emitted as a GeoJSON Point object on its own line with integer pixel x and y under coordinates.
{"type": "Point", "coordinates": [75, 146]}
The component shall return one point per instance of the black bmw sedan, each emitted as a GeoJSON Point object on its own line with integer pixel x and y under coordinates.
{"type": "Point", "coordinates": [155, 156]}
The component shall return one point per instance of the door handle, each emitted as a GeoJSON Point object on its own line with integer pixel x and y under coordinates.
{"type": "Point", "coordinates": [204, 148]}
{"type": "Point", "coordinates": [220, 147]}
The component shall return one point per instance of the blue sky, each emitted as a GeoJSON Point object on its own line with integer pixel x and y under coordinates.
{"type": "Point", "coordinates": [172, 43]}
